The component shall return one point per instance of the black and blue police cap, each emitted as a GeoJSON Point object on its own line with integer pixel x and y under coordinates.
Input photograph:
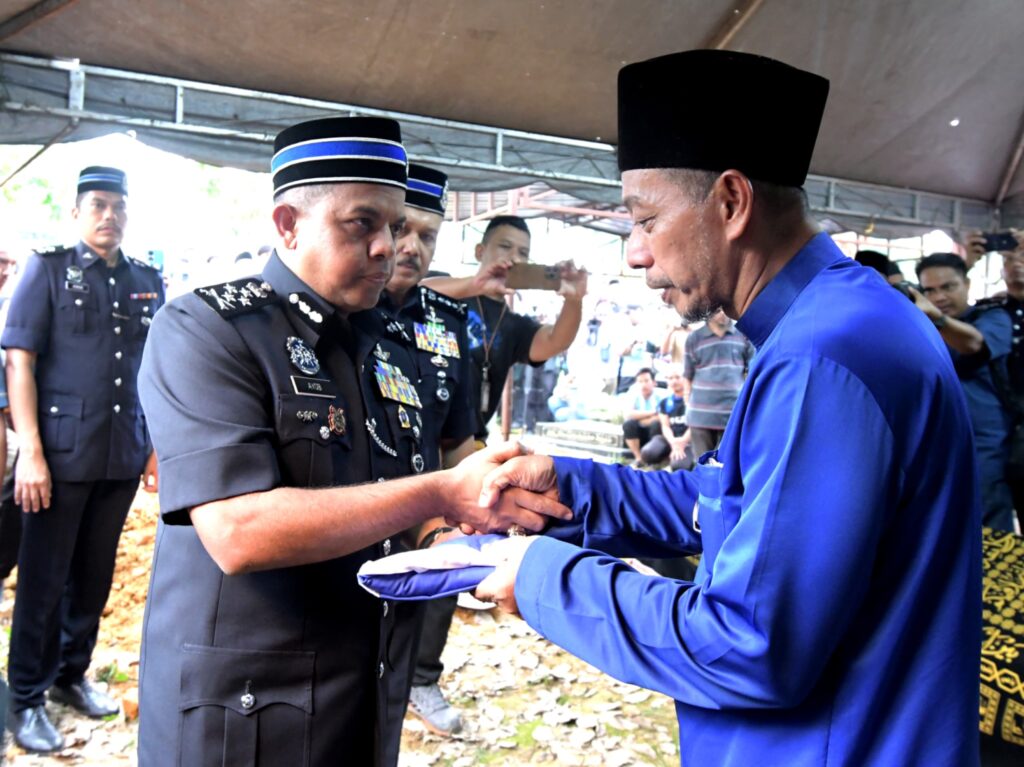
{"type": "Point", "coordinates": [100, 178]}
{"type": "Point", "coordinates": [715, 110]}
{"type": "Point", "coordinates": [428, 189]}
{"type": "Point", "coordinates": [339, 150]}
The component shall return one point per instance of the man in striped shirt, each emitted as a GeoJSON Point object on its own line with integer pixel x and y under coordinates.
{"type": "Point", "coordinates": [715, 364]}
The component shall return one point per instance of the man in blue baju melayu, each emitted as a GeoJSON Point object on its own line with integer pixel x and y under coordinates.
{"type": "Point", "coordinates": [834, 618]}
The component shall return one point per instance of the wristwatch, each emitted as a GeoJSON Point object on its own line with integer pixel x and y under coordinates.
{"type": "Point", "coordinates": [940, 321]}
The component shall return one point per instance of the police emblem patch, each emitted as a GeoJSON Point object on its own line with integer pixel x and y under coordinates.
{"type": "Point", "coordinates": [74, 274]}
{"type": "Point", "coordinates": [302, 356]}
{"type": "Point", "coordinates": [336, 420]}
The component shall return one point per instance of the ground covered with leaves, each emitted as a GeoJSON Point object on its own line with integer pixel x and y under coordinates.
{"type": "Point", "coordinates": [524, 701]}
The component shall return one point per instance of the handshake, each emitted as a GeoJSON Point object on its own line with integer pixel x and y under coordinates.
{"type": "Point", "coordinates": [503, 489]}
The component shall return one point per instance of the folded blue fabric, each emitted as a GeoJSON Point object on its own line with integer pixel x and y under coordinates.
{"type": "Point", "coordinates": [442, 570]}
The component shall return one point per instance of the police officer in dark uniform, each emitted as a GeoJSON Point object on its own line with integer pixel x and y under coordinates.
{"type": "Point", "coordinates": [267, 396]}
{"type": "Point", "coordinates": [74, 337]}
{"type": "Point", "coordinates": [437, 325]}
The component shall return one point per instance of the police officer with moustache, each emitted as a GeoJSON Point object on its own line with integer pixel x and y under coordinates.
{"type": "Point", "coordinates": [438, 326]}
{"type": "Point", "coordinates": [269, 398]}
{"type": "Point", "coordinates": [74, 337]}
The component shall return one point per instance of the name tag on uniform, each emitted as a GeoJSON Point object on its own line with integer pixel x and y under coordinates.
{"type": "Point", "coordinates": [78, 287]}
{"type": "Point", "coordinates": [314, 387]}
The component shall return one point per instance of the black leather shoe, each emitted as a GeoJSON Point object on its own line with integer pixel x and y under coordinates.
{"type": "Point", "coordinates": [85, 699]}
{"type": "Point", "coordinates": [33, 730]}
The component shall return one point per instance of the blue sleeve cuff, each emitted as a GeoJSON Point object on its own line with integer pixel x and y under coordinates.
{"type": "Point", "coordinates": [573, 475]}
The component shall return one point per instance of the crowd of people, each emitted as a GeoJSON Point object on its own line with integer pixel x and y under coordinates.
{"type": "Point", "coordinates": [826, 442]}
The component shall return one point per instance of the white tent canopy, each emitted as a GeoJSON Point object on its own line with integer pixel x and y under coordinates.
{"type": "Point", "coordinates": [923, 127]}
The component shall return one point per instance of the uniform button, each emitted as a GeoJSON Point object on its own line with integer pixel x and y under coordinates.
{"type": "Point", "coordinates": [117, 305]}
{"type": "Point", "coordinates": [325, 433]}
{"type": "Point", "coordinates": [381, 479]}
{"type": "Point", "coordinates": [117, 329]}
{"type": "Point", "coordinates": [117, 382]}
{"type": "Point", "coordinates": [385, 608]}
{"type": "Point", "coordinates": [117, 355]}
{"type": "Point", "coordinates": [117, 408]}
{"type": "Point", "coordinates": [78, 302]}
{"type": "Point", "coordinates": [1016, 326]}
{"type": "Point", "coordinates": [386, 546]}
{"type": "Point", "coordinates": [248, 700]}
{"type": "Point", "coordinates": [380, 670]}
{"type": "Point", "coordinates": [112, 281]}
{"type": "Point", "coordinates": [293, 298]}
{"type": "Point", "coordinates": [54, 409]}
{"type": "Point", "coordinates": [1020, 312]}
{"type": "Point", "coordinates": [145, 310]}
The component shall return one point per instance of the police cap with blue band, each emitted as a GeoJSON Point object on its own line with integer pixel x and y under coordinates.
{"type": "Point", "coordinates": [716, 110]}
{"type": "Point", "coordinates": [428, 189]}
{"type": "Point", "coordinates": [100, 178]}
{"type": "Point", "coordinates": [339, 150]}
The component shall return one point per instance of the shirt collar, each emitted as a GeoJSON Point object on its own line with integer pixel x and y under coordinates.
{"type": "Point", "coordinates": [86, 256]}
{"type": "Point", "coordinates": [412, 299]}
{"type": "Point", "coordinates": [315, 313]}
{"type": "Point", "coordinates": [769, 306]}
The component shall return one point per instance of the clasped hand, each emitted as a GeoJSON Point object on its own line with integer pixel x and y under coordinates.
{"type": "Point", "coordinates": [495, 489]}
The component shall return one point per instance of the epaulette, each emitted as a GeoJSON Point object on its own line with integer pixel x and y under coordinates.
{"type": "Point", "coordinates": [56, 250]}
{"type": "Point", "coordinates": [139, 262]}
{"type": "Point", "coordinates": [238, 297]}
{"type": "Point", "coordinates": [992, 302]}
{"type": "Point", "coordinates": [459, 308]}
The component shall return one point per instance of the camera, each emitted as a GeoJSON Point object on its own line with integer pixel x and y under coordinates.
{"type": "Point", "coordinates": [904, 286]}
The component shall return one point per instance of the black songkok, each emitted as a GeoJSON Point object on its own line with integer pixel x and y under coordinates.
{"type": "Point", "coordinates": [715, 110]}
{"type": "Point", "coordinates": [99, 178]}
{"type": "Point", "coordinates": [428, 189]}
{"type": "Point", "coordinates": [338, 150]}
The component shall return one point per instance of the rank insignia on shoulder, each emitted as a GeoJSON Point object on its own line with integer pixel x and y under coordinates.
{"type": "Point", "coordinates": [238, 297]}
{"type": "Point", "coordinates": [430, 297]}
{"type": "Point", "coordinates": [55, 250]}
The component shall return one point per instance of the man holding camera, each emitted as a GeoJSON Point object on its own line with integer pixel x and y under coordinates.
{"type": "Point", "coordinates": [978, 339]}
{"type": "Point", "coordinates": [499, 338]}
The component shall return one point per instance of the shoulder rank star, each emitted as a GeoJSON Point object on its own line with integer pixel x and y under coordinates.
{"type": "Point", "coordinates": [302, 356]}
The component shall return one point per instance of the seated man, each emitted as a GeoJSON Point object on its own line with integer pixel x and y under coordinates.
{"type": "Point", "coordinates": [674, 441]}
{"type": "Point", "coordinates": [641, 413]}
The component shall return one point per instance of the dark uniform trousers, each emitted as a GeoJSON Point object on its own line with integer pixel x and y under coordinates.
{"type": "Point", "coordinates": [296, 665]}
{"type": "Point", "coordinates": [66, 564]}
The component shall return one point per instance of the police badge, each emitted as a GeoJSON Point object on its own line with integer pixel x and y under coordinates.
{"type": "Point", "coordinates": [302, 356]}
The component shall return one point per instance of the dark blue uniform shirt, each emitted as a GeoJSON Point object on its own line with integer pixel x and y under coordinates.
{"type": "Point", "coordinates": [834, 618]}
{"type": "Point", "coordinates": [253, 385]}
{"type": "Point", "coordinates": [88, 324]}
{"type": "Point", "coordinates": [443, 378]}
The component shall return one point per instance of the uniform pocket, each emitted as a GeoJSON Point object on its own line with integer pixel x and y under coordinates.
{"type": "Point", "coordinates": [240, 708]}
{"type": "Point", "coordinates": [59, 417]}
{"type": "Point", "coordinates": [78, 312]}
